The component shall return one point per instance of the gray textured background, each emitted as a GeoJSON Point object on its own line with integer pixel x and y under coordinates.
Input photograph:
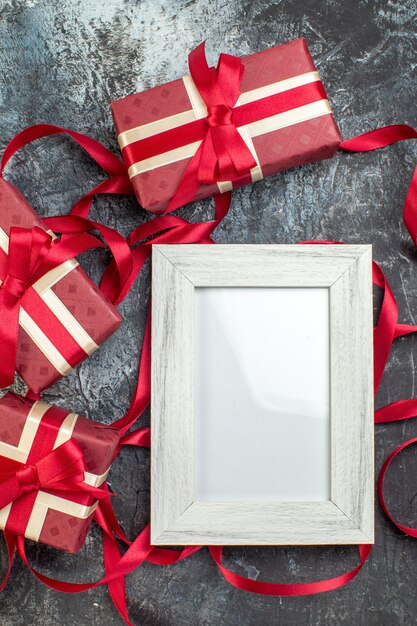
{"type": "Point", "coordinates": [63, 61]}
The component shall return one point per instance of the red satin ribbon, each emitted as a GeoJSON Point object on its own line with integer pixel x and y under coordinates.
{"type": "Point", "coordinates": [27, 250]}
{"type": "Point", "coordinates": [292, 589]}
{"type": "Point", "coordinates": [241, 115]}
{"type": "Point", "coordinates": [110, 163]}
{"type": "Point", "coordinates": [387, 329]}
{"type": "Point", "coordinates": [390, 329]}
{"type": "Point", "coordinates": [222, 154]}
{"type": "Point", "coordinates": [59, 471]}
{"type": "Point", "coordinates": [122, 257]}
{"type": "Point", "coordinates": [118, 183]}
{"type": "Point", "coordinates": [164, 229]}
{"type": "Point", "coordinates": [381, 138]}
{"type": "Point", "coordinates": [412, 532]}
{"type": "Point", "coordinates": [32, 253]}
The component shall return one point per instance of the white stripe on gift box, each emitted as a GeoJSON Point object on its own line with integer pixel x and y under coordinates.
{"type": "Point", "coordinates": [43, 343]}
{"type": "Point", "coordinates": [199, 111]}
{"type": "Point", "coordinates": [20, 452]}
{"type": "Point", "coordinates": [267, 125]}
{"type": "Point", "coordinates": [44, 502]}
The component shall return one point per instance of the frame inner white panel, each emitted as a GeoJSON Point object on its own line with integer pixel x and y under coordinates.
{"type": "Point", "coordinates": [262, 380]}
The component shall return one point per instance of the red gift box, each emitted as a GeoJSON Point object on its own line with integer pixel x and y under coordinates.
{"type": "Point", "coordinates": [29, 432]}
{"type": "Point", "coordinates": [282, 114]}
{"type": "Point", "coordinates": [71, 317]}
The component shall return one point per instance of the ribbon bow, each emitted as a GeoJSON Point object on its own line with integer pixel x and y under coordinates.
{"type": "Point", "coordinates": [223, 155]}
{"type": "Point", "coordinates": [60, 470]}
{"type": "Point", "coordinates": [28, 249]}
{"type": "Point", "coordinates": [32, 253]}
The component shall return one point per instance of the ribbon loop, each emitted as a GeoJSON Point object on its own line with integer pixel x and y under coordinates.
{"type": "Point", "coordinates": [223, 154]}
{"type": "Point", "coordinates": [28, 248]}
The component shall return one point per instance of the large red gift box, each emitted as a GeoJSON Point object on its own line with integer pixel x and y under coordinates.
{"type": "Point", "coordinates": [285, 120]}
{"type": "Point", "coordinates": [72, 318]}
{"type": "Point", "coordinates": [29, 431]}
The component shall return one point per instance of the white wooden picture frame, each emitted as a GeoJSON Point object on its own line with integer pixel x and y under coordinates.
{"type": "Point", "coordinates": [190, 503]}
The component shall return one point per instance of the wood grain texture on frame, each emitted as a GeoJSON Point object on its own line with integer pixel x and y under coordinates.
{"type": "Point", "coordinates": [347, 518]}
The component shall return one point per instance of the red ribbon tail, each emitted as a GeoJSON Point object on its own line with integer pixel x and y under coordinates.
{"type": "Point", "coordinates": [207, 164]}
{"type": "Point", "coordinates": [117, 586]}
{"type": "Point", "coordinates": [234, 157]}
{"type": "Point", "coordinates": [294, 589]}
{"type": "Point", "coordinates": [11, 541]}
{"type": "Point", "coordinates": [412, 532]}
{"type": "Point", "coordinates": [380, 138]}
{"type": "Point", "coordinates": [108, 161]}
{"type": "Point", "coordinates": [9, 490]}
{"type": "Point", "coordinates": [396, 411]}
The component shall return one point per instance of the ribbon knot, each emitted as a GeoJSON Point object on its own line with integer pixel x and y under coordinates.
{"type": "Point", "coordinates": [223, 154]}
{"type": "Point", "coordinates": [15, 286]}
{"type": "Point", "coordinates": [28, 479]}
{"type": "Point", "coordinates": [62, 470]}
{"type": "Point", "coordinates": [219, 115]}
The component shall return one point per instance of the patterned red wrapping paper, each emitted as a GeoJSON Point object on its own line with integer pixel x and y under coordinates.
{"type": "Point", "coordinates": [298, 135]}
{"type": "Point", "coordinates": [54, 519]}
{"type": "Point", "coordinates": [82, 317]}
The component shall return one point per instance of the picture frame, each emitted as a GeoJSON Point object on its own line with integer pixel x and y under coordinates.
{"type": "Point", "coordinates": [335, 282]}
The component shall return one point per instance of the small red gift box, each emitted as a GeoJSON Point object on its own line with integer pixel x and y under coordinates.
{"type": "Point", "coordinates": [42, 448]}
{"type": "Point", "coordinates": [68, 317]}
{"type": "Point", "coordinates": [218, 129]}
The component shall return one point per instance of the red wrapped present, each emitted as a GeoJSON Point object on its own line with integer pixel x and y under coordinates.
{"type": "Point", "coordinates": [63, 317]}
{"type": "Point", "coordinates": [222, 128]}
{"type": "Point", "coordinates": [52, 463]}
